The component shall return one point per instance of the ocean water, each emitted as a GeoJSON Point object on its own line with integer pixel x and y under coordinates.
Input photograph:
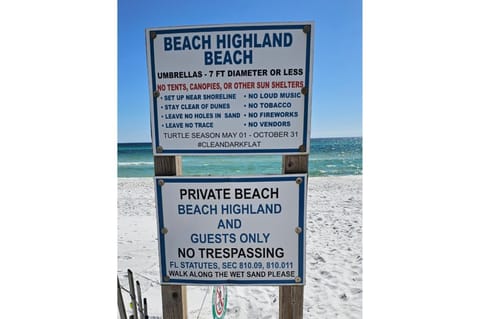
{"type": "Point", "coordinates": [328, 157]}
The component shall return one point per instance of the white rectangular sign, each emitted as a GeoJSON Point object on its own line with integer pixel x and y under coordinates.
{"type": "Point", "coordinates": [232, 230]}
{"type": "Point", "coordinates": [230, 88]}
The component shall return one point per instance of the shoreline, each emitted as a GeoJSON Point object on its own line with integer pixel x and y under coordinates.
{"type": "Point", "coordinates": [222, 176]}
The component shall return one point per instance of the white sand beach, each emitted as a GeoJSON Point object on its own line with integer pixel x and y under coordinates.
{"type": "Point", "coordinates": [333, 261]}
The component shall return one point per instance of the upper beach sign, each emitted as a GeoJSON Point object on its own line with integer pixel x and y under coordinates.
{"type": "Point", "coordinates": [230, 89]}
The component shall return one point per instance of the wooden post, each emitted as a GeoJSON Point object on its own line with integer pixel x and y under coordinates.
{"type": "Point", "coordinates": [174, 298]}
{"type": "Point", "coordinates": [167, 165]}
{"type": "Point", "coordinates": [132, 293]}
{"type": "Point", "coordinates": [121, 305]}
{"type": "Point", "coordinates": [139, 300]}
{"type": "Point", "coordinates": [291, 297]}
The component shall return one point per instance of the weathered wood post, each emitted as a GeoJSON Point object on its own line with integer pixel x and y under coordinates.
{"type": "Point", "coordinates": [132, 293]}
{"type": "Point", "coordinates": [291, 297]}
{"type": "Point", "coordinates": [174, 297]}
{"type": "Point", "coordinates": [121, 305]}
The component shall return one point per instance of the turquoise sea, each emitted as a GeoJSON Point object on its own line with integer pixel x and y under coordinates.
{"type": "Point", "coordinates": [328, 157]}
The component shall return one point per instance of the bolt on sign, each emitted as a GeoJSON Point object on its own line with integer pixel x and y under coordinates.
{"type": "Point", "coordinates": [232, 230]}
{"type": "Point", "coordinates": [221, 89]}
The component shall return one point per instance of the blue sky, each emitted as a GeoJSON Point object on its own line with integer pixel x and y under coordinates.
{"type": "Point", "coordinates": [337, 66]}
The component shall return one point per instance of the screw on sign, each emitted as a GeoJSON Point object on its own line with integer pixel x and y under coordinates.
{"type": "Point", "coordinates": [219, 302]}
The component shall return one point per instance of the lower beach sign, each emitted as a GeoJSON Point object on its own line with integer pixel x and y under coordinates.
{"type": "Point", "coordinates": [232, 230]}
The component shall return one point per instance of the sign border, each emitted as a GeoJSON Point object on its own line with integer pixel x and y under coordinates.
{"type": "Point", "coordinates": [232, 27]}
{"type": "Point", "coordinates": [270, 178]}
